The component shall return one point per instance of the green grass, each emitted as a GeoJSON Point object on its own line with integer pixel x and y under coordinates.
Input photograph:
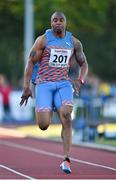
{"type": "Point", "coordinates": [102, 140]}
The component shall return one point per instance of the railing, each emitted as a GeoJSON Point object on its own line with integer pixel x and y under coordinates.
{"type": "Point", "coordinates": [91, 110]}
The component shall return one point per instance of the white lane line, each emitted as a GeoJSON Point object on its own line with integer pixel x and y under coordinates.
{"type": "Point", "coordinates": [16, 172]}
{"type": "Point", "coordinates": [19, 146]}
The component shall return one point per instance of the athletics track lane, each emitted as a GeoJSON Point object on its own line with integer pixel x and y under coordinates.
{"type": "Point", "coordinates": [26, 158]}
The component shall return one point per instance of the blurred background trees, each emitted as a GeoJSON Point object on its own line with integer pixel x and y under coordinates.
{"type": "Point", "coordinates": [91, 21]}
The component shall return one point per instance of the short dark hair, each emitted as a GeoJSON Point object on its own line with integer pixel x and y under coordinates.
{"type": "Point", "coordinates": [58, 13]}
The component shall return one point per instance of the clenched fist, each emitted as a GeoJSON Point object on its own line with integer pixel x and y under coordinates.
{"type": "Point", "coordinates": [77, 86]}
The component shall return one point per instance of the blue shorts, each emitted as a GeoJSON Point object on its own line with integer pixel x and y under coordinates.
{"type": "Point", "coordinates": [50, 95]}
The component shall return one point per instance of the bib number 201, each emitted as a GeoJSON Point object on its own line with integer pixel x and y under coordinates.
{"type": "Point", "coordinates": [59, 59]}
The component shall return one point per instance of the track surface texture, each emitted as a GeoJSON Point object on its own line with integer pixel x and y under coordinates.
{"type": "Point", "coordinates": [30, 158]}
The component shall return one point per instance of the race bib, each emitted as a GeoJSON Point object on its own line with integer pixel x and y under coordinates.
{"type": "Point", "coordinates": [59, 57]}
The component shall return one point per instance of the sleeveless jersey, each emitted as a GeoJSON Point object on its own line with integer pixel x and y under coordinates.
{"type": "Point", "coordinates": [55, 61]}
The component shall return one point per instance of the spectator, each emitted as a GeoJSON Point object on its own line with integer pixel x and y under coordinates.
{"type": "Point", "coordinates": [5, 90]}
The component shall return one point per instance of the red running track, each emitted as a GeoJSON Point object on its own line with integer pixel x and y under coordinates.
{"type": "Point", "coordinates": [29, 158]}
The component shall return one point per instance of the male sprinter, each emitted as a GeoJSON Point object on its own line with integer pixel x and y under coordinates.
{"type": "Point", "coordinates": [54, 50]}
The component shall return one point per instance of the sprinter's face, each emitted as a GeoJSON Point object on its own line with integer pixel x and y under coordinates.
{"type": "Point", "coordinates": [58, 23]}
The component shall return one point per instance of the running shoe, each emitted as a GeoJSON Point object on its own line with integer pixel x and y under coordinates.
{"type": "Point", "coordinates": [65, 166]}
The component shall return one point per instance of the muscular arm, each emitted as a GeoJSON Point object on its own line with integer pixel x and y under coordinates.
{"type": "Point", "coordinates": [35, 54]}
{"type": "Point", "coordinates": [80, 58]}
